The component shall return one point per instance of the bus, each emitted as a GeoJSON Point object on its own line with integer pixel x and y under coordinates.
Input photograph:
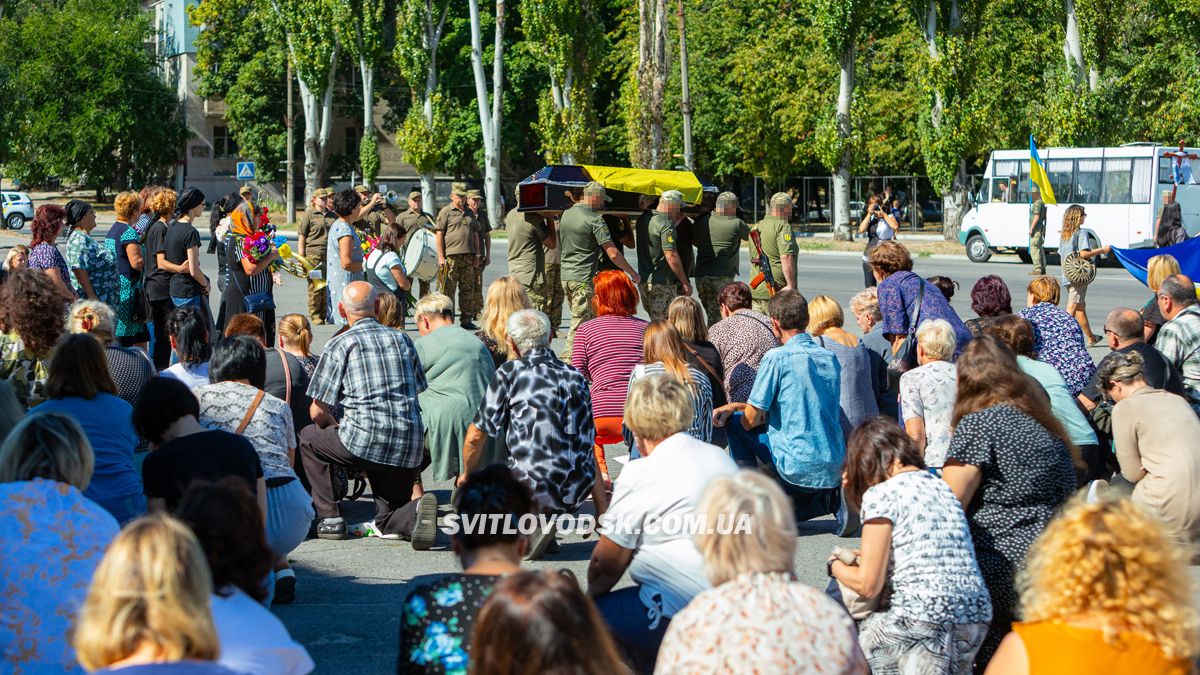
{"type": "Point", "coordinates": [1121, 189]}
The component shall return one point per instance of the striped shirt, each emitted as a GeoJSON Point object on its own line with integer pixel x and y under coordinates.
{"type": "Point", "coordinates": [701, 393]}
{"type": "Point", "coordinates": [606, 350]}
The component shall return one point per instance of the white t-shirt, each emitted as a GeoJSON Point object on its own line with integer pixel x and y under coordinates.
{"type": "Point", "coordinates": [253, 640]}
{"type": "Point", "coordinates": [664, 487]}
{"type": "Point", "coordinates": [382, 262]}
{"type": "Point", "coordinates": [929, 392]}
{"type": "Point", "coordinates": [193, 375]}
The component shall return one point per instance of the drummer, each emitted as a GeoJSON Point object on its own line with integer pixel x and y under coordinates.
{"type": "Point", "coordinates": [527, 234]}
{"type": "Point", "coordinates": [412, 218]}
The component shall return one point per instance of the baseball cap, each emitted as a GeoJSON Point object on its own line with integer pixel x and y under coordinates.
{"type": "Point", "coordinates": [415, 194]}
{"type": "Point", "coordinates": [474, 194]}
{"type": "Point", "coordinates": [245, 190]}
{"type": "Point", "coordinates": [671, 196]}
{"type": "Point", "coordinates": [459, 189]}
{"type": "Point", "coordinates": [593, 189]}
{"type": "Point", "coordinates": [321, 192]}
{"type": "Point", "coordinates": [361, 188]}
{"type": "Point", "coordinates": [781, 199]}
{"type": "Point", "coordinates": [726, 198]}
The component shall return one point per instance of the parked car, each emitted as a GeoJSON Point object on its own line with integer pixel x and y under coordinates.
{"type": "Point", "coordinates": [16, 208]}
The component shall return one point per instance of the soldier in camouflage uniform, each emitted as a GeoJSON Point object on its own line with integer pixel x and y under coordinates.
{"type": "Point", "coordinates": [529, 235]}
{"type": "Point", "coordinates": [455, 229]}
{"type": "Point", "coordinates": [376, 214]}
{"type": "Point", "coordinates": [483, 242]}
{"type": "Point", "coordinates": [719, 236]}
{"type": "Point", "coordinates": [660, 263]}
{"type": "Point", "coordinates": [412, 219]}
{"type": "Point", "coordinates": [313, 234]}
{"type": "Point", "coordinates": [581, 235]}
{"type": "Point", "coordinates": [779, 245]}
{"type": "Point", "coordinates": [552, 292]}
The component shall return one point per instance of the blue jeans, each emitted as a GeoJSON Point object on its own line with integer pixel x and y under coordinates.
{"type": "Point", "coordinates": [629, 621]}
{"type": "Point", "coordinates": [752, 448]}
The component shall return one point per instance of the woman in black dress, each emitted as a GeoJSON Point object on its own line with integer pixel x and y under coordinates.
{"type": "Point", "coordinates": [248, 283]}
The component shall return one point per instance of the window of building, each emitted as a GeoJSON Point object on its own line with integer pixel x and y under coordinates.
{"type": "Point", "coordinates": [353, 138]}
{"type": "Point", "coordinates": [223, 143]}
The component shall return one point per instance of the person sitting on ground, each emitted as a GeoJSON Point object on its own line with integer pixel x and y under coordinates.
{"type": "Point", "coordinates": [543, 408]}
{"type": "Point", "coordinates": [30, 311]}
{"type": "Point", "coordinates": [51, 531]}
{"type": "Point", "coordinates": [667, 483]}
{"type": "Point", "coordinates": [458, 369]}
{"type": "Point", "coordinates": [860, 383]}
{"type": "Point", "coordinates": [1179, 338]}
{"type": "Point", "coordinates": [235, 402]}
{"type": "Point", "coordinates": [938, 612]}
{"type": "Point", "coordinates": [390, 313]}
{"type": "Point", "coordinates": [1158, 268]}
{"type": "Point", "coordinates": [989, 299]}
{"type": "Point", "coordinates": [663, 352]}
{"type": "Point", "coordinates": [229, 526]}
{"type": "Point", "coordinates": [188, 333]}
{"type": "Point", "coordinates": [130, 367]}
{"type": "Point", "coordinates": [168, 416]}
{"type": "Point", "coordinates": [1123, 330]}
{"type": "Point", "coordinates": [286, 378]}
{"type": "Point", "coordinates": [296, 338]}
{"type": "Point", "coordinates": [505, 296]}
{"type": "Point", "coordinates": [795, 397]}
{"type": "Point", "coordinates": [757, 617]}
{"type": "Point", "coordinates": [1057, 338]}
{"type": "Point", "coordinates": [1011, 464]}
{"type": "Point", "coordinates": [80, 387]}
{"type": "Point", "coordinates": [865, 306]}
{"type": "Point", "coordinates": [1104, 590]}
{"type": "Point", "coordinates": [944, 284]}
{"type": "Point", "coordinates": [147, 610]}
{"type": "Point", "coordinates": [1017, 334]}
{"type": "Point", "coordinates": [1155, 435]}
{"type": "Point", "coordinates": [686, 315]}
{"type": "Point", "coordinates": [742, 336]}
{"type": "Point", "coordinates": [11, 412]}
{"type": "Point", "coordinates": [446, 604]}
{"type": "Point", "coordinates": [17, 258]}
{"type": "Point", "coordinates": [905, 299]}
{"type": "Point", "coordinates": [372, 374]}
{"type": "Point", "coordinates": [927, 392]}
{"type": "Point", "coordinates": [540, 622]}
{"type": "Point", "coordinates": [607, 349]}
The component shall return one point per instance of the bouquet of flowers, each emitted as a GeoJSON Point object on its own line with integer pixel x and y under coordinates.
{"type": "Point", "coordinates": [257, 246]}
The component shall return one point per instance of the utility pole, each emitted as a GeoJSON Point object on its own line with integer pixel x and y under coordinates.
{"type": "Point", "coordinates": [685, 103]}
{"type": "Point", "coordinates": [289, 187]}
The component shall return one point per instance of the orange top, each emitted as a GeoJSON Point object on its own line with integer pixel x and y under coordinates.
{"type": "Point", "coordinates": [1057, 648]}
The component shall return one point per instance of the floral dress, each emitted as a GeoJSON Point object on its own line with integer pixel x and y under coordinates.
{"type": "Point", "coordinates": [129, 280]}
{"type": "Point", "coordinates": [436, 621]}
{"type": "Point", "coordinates": [46, 256]}
{"type": "Point", "coordinates": [1058, 340]}
{"type": "Point", "coordinates": [84, 253]}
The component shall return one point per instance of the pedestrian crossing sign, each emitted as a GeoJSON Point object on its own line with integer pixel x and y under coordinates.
{"type": "Point", "coordinates": [245, 170]}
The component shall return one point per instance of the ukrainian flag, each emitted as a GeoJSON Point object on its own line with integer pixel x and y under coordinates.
{"type": "Point", "coordinates": [1037, 174]}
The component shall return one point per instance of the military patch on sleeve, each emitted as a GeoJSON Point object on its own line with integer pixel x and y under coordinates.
{"type": "Point", "coordinates": [670, 238]}
{"type": "Point", "coordinates": [787, 236]}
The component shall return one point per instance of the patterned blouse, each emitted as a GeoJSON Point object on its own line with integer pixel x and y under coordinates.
{"type": "Point", "coordinates": [761, 623]}
{"type": "Point", "coordinates": [1058, 340]}
{"type": "Point", "coordinates": [46, 256]}
{"type": "Point", "coordinates": [742, 338]}
{"type": "Point", "coordinates": [85, 253]}
{"type": "Point", "coordinates": [898, 297]}
{"type": "Point", "coordinates": [23, 370]}
{"type": "Point", "coordinates": [436, 621]}
{"type": "Point", "coordinates": [271, 430]}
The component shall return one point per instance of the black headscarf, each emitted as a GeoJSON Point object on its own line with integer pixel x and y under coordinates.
{"type": "Point", "coordinates": [76, 212]}
{"type": "Point", "coordinates": [187, 200]}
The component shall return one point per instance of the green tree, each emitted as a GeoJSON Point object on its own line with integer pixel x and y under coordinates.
{"type": "Point", "coordinates": [422, 137]}
{"type": "Point", "coordinates": [83, 99]}
{"type": "Point", "coordinates": [360, 28]}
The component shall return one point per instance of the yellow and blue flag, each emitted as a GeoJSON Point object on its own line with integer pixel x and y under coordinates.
{"type": "Point", "coordinates": [1037, 174]}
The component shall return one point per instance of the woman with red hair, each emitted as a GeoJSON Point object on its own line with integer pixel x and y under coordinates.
{"type": "Point", "coordinates": [44, 255]}
{"type": "Point", "coordinates": [606, 350]}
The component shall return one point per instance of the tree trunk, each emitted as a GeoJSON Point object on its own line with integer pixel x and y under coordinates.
{"type": "Point", "coordinates": [318, 123]}
{"type": "Point", "coordinates": [841, 177]}
{"type": "Point", "coordinates": [1093, 78]}
{"type": "Point", "coordinates": [955, 203]}
{"type": "Point", "coordinates": [560, 96]}
{"type": "Point", "coordinates": [685, 103]}
{"type": "Point", "coordinates": [652, 68]}
{"type": "Point", "coordinates": [1072, 45]}
{"type": "Point", "coordinates": [489, 119]}
{"type": "Point", "coordinates": [368, 79]}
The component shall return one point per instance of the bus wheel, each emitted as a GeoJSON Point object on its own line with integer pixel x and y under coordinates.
{"type": "Point", "coordinates": [977, 249]}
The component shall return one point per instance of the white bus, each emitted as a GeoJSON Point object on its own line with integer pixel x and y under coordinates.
{"type": "Point", "coordinates": [1120, 188]}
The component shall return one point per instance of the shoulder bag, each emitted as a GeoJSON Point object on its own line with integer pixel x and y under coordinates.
{"type": "Point", "coordinates": [256, 303]}
{"type": "Point", "coordinates": [1078, 270]}
{"type": "Point", "coordinates": [856, 605]}
{"type": "Point", "coordinates": [241, 427]}
{"type": "Point", "coordinates": [905, 358]}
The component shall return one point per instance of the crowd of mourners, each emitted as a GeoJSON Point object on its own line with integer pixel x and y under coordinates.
{"type": "Point", "coordinates": [1020, 508]}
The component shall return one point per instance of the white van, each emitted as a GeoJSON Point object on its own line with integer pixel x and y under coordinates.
{"type": "Point", "coordinates": [1120, 188]}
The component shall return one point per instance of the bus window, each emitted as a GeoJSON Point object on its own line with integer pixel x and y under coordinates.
{"type": "Point", "coordinates": [1118, 176]}
{"type": "Point", "coordinates": [1059, 171]}
{"type": "Point", "coordinates": [1165, 173]}
{"type": "Point", "coordinates": [1023, 182]}
{"type": "Point", "coordinates": [1141, 187]}
{"type": "Point", "coordinates": [1089, 181]}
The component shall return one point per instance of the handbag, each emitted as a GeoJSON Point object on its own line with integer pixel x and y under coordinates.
{"type": "Point", "coordinates": [139, 310]}
{"type": "Point", "coordinates": [256, 303]}
{"type": "Point", "coordinates": [1079, 271]}
{"type": "Point", "coordinates": [905, 358]}
{"type": "Point", "coordinates": [856, 605]}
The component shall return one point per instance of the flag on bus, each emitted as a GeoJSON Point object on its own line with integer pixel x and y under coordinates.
{"type": "Point", "coordinates": [1037, 174]}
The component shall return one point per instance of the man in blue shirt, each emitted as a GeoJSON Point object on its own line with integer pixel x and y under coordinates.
{"type": "Point", "coordinates": [792, 422]}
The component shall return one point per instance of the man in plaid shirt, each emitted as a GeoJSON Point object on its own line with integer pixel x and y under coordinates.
{"type": "Point", "coordinates": [372, 373]}
{"type": "Point", "coordinates": [1179, 337]}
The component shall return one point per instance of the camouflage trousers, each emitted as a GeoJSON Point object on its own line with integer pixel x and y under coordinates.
{"type": "Point", "coordinates": [657, 297]}
{"type": "Point", "coordinates": [552, 296]}
{"type": "Point", "coordinates": [318, 298]}
{"type": "Point", "coordinates": [762, 306]}
{"type": "Point", "coordinates": [1036, 253]}
{"type": "Point", "coordinates": [460, 274]}
{"type": "Point", "coordinates": [537, 295]}
{"type": "Point", "coordinates": [709, 289]}
{"type": "Point", "coordinates": [579, 295]}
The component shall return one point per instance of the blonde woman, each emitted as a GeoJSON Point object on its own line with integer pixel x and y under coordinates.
{"type": "Point", "coordinates": [1158, 268]}
{"type": "Point", "coordinates": [927, 392]}
{"type": "Point", "coordinates": [149, 604]}
{"type": "Point", "coordinates": [17, 258]}
{"type": "Point", "coordinates": [505, 296]}
{"type": "Point", "coordinates": [687, 316]}
{"type": "Point", "coordinates": [130, 367]}
{"type": "Point", "coordinates": [50, 531]}
{"type": "Point", "coordinates": [124, 244]}
{"type": "Point", "coordinates": [296, 338]}
{"type": "Point", "coordinates": [1074, 240]}
{"type": "Point", "coordinates": [663, 352]}
{"type": "Point", "coordinates": [1104, 590]}
{"type": "Point", "coordinates": [862, 382]}
{"type": "Point", "coordinates": [757, 617]}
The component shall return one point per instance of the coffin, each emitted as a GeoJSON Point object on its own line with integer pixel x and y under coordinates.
{"type": "Point", "coordinates": [548, 188]}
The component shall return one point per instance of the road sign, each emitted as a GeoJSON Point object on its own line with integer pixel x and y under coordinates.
{"type": "Point", "coordinates": [245, 170]}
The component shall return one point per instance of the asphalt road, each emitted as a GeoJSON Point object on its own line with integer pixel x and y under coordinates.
{"type": "Point", "coordinates": [349, 592]}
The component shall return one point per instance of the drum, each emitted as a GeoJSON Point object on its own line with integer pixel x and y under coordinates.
{"type": "Point", "coordinates": [420, 255]}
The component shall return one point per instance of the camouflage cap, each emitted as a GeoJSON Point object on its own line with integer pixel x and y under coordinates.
{"type": "Point", "coordinates": [361, 188]}
{"type": "Point", "coordinates": [459, 189]}
{"type": "Point", "coordinates": [321, 193]}
{"type": "Point", "coordinates": [415, 194]}
{"type": "Point", "coordinates": [726, 198]}
{"type": "Point", "coordinates": [474, 194]}
{"type": "Point", "coordinates": [671, 197]}
{"type": "Point", "coordinates": [594, 189]}
{"type": "Point", "coordinates": [781, 199]}
{"type": "Point", "coordinates": [245, 190]}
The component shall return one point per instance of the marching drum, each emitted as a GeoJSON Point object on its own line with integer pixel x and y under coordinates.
{"type": "Point", "coordinates": [420, 255]}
